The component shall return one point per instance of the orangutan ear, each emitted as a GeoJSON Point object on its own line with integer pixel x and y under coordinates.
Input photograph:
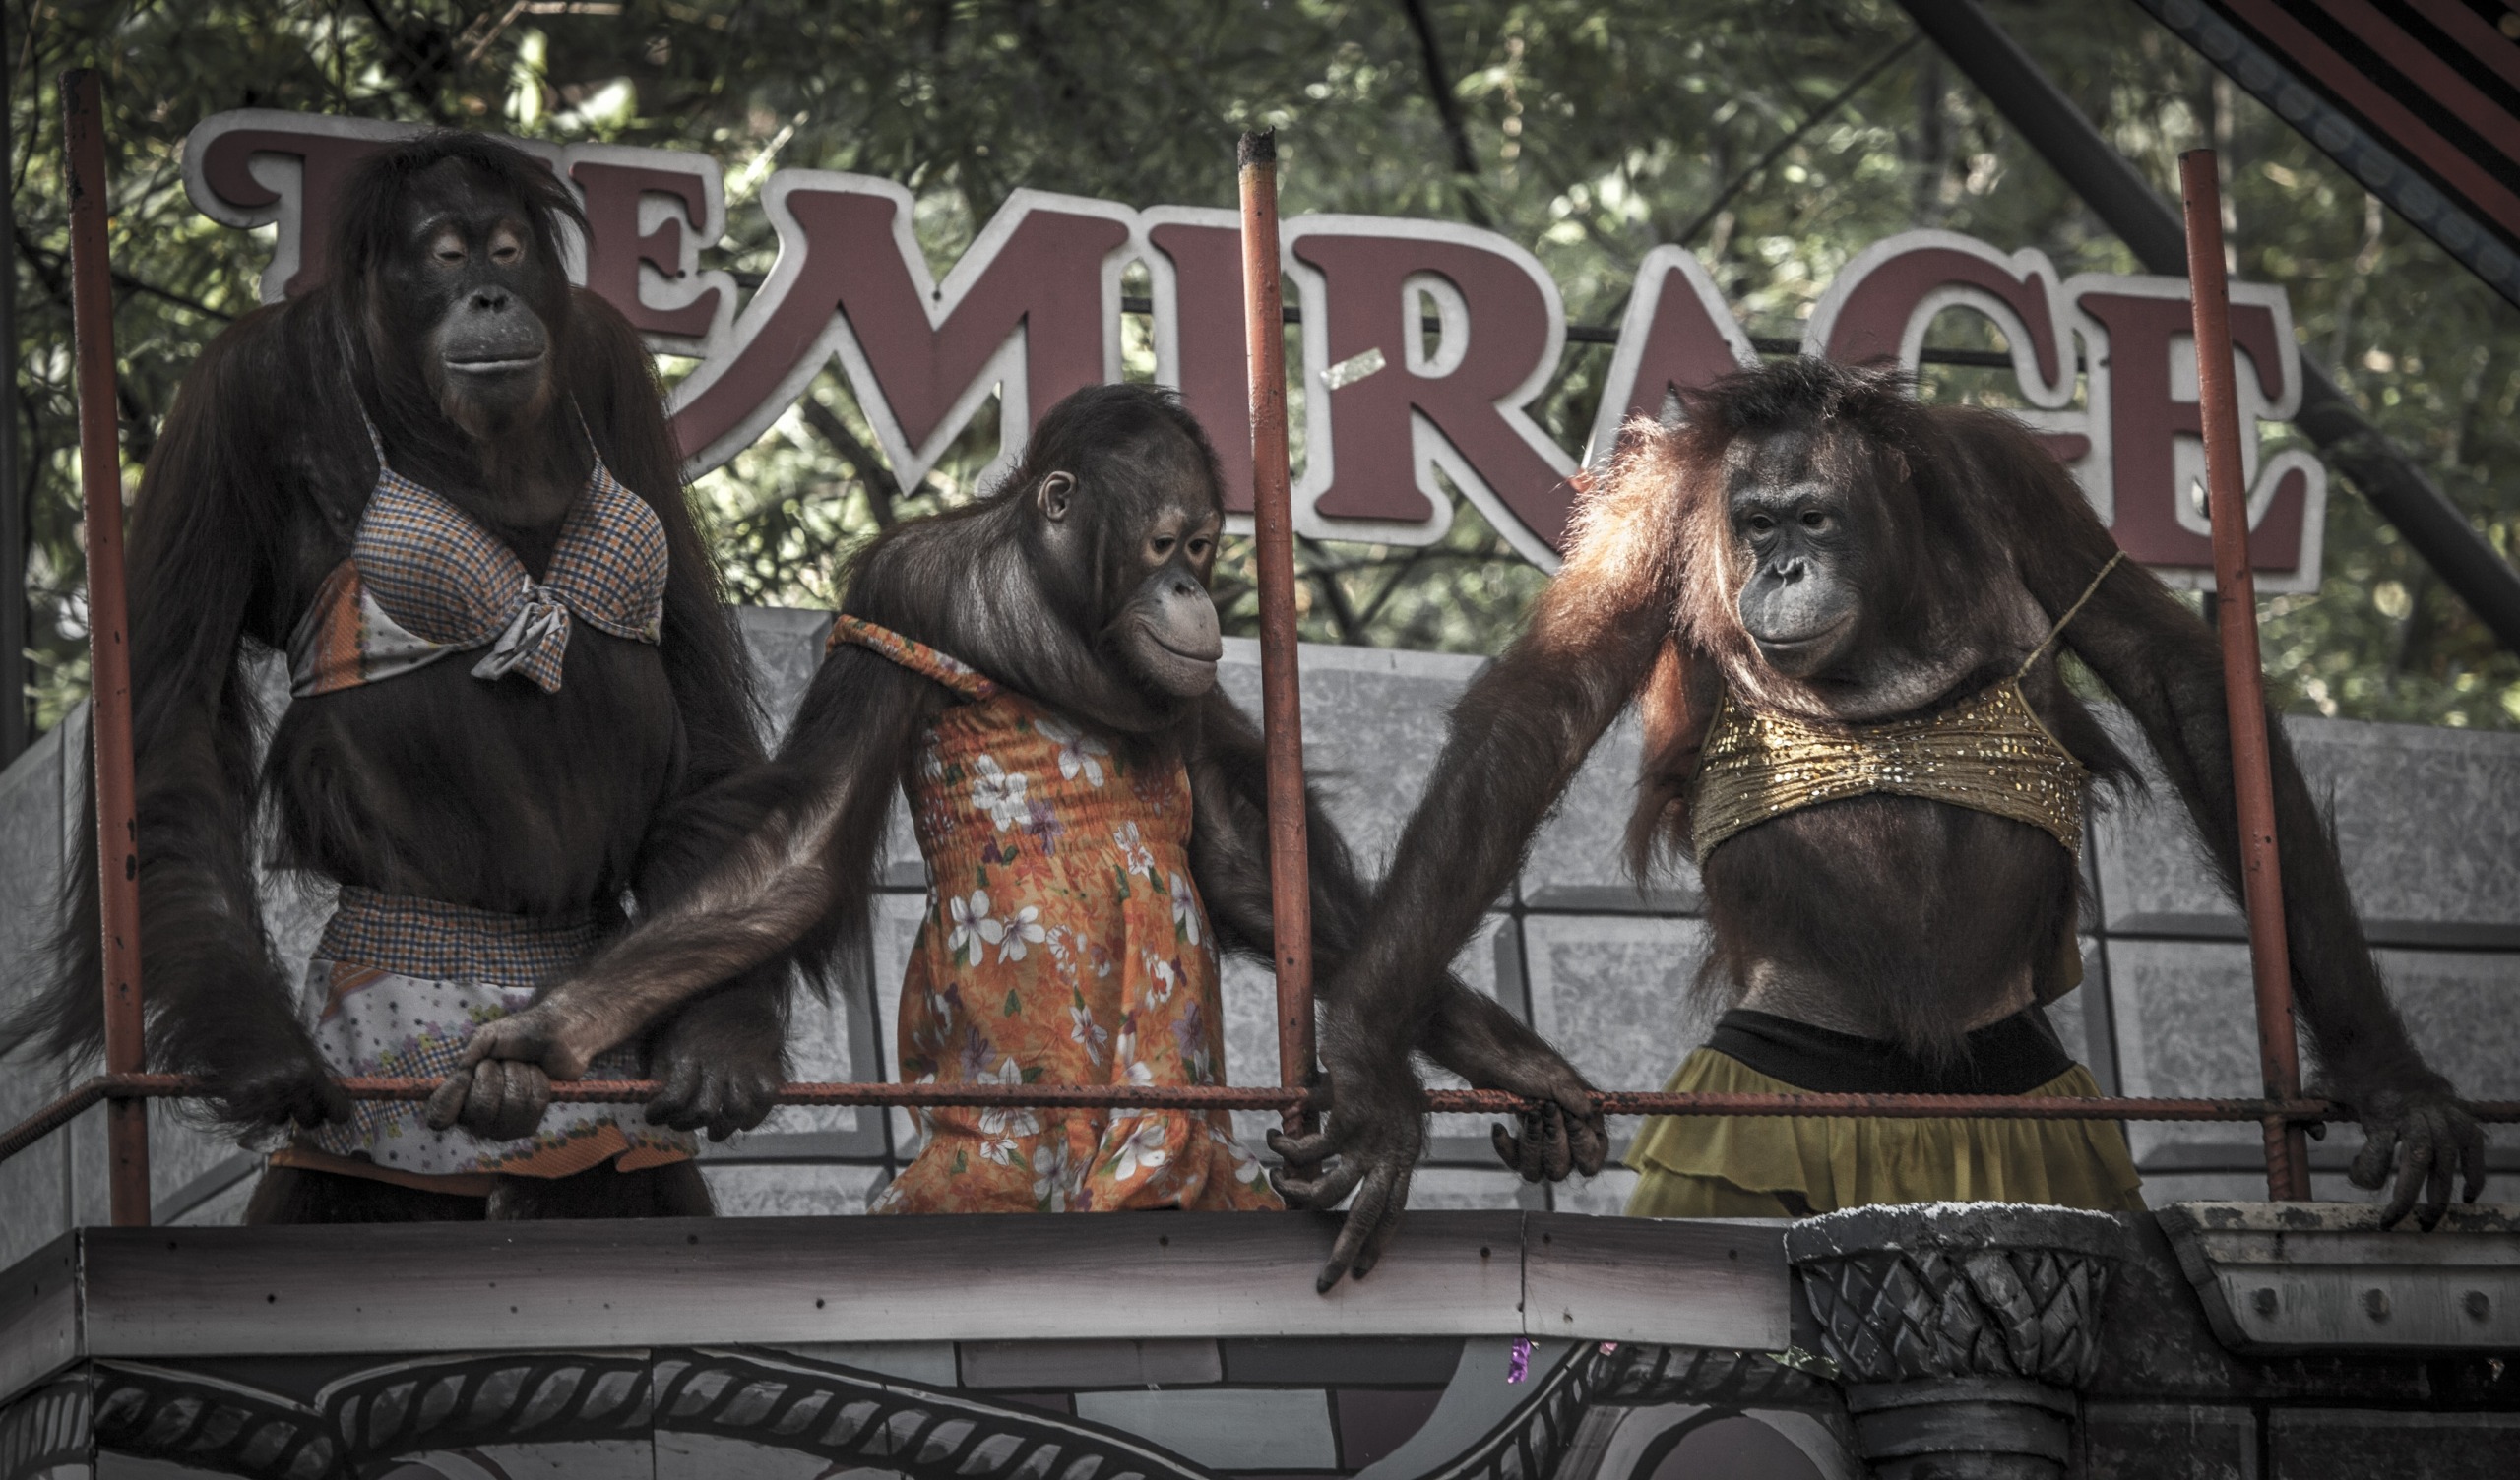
{"type": "Point", "coordinates": [1056, 493]}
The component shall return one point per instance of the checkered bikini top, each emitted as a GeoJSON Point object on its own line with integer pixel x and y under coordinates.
{"type": "Point", "coordinates": [423, 581]}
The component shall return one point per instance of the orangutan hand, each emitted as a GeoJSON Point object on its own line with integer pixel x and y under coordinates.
{"type": "Point", "coordinates": [1370, 1146]}
{"type": "Point", "coordinates": [2428, 1137]}
{"type": "Point", "coordinates": [501, 1086]}
{"type": "Point", "coordinates": [1477, 1038]}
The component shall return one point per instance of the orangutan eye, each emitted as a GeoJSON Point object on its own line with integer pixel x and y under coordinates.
{"type": "Point", "coordinates": [1162, 545]}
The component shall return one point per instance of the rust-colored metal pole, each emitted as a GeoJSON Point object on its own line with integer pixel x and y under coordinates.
{"type": "Point", "coordinates": [1281, 697]}
{"type": "Point", "coordinates": [92, 302]}
{"type": "Point", "coordinates": [2288, 1168]}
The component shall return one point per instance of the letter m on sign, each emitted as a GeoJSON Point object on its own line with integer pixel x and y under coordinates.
{"type": "Point", "coordinates": [1031, 310]}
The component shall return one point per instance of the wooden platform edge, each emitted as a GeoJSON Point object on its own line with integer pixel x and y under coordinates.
{"type": "Point", "coordinates": [170, 1293]}
{"type": "Point", "coordinates": [41, 1331]}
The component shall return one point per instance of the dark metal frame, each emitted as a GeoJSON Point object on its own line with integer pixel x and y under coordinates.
{"type": "Point", "coordinates": [2130, 206]}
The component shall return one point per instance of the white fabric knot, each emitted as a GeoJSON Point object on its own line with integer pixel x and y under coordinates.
{"type": "Point", "coordinates": [540, 621]}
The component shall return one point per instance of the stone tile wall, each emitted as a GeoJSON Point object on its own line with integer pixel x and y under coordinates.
{"type": "Point", "coordinates": [2430, 836]}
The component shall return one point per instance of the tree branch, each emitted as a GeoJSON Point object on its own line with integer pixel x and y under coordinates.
{"type": "Point", "coordinates": [1440, 87]}
{"type": "Point", "coordinates": [883, 490]}
{"type": "Point", "coordinates": [1343, 613]}
{"type": "Point", "coordinates": [1758, 166]}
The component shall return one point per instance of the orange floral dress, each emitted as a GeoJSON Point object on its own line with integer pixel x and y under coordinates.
{"type": "Point", "coordinates": [1064, 944]}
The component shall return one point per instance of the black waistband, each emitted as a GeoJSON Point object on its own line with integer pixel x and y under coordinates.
{"type": "Point", "coordinates": [2018, 1054]}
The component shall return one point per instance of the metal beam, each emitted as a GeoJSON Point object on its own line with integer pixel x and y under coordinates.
{"type": "Point", "coordinates": [2131, 208]}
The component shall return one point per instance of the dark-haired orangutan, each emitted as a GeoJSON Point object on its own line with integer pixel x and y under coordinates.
{"type": "Point", "coordinates": [442, 484]}
{"type": "Point", "coordinates": [1038, 670]}
{"type": "Point", "coordinates": [1839, 612]}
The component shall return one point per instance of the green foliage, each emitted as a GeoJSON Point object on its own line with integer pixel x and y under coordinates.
{"type": "Point", "coordinates": [1774, 137]}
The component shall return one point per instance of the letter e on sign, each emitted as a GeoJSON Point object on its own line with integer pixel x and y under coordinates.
{"type": "Point", "coordinates": [648, 212]}
{"type": "Point", "coordinates": [2153, 449]}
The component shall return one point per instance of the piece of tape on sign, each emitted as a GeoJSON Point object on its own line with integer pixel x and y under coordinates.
{"type": "Point", "coordinates": [1353, 369]}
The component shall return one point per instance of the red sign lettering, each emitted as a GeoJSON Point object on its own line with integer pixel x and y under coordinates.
{"type": "Point", "coordinates": [1424, 345]}
{"type": "Point", "coordinates": [1387, 400]}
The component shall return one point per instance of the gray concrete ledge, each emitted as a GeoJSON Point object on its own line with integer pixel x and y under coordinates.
{"type": "Point", "coordinates": [2300, 1277]}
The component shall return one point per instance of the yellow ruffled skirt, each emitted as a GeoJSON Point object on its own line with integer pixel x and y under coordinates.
{"type": "Point", "coordinates": [1733, 1166]}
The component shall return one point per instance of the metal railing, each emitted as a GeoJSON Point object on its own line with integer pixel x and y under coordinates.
{"type": "Point", "coordinates": [1616, 1102]}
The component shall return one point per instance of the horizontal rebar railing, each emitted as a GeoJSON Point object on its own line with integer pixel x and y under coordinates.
{"type": "Point", "coordinates": [1255, 1097]}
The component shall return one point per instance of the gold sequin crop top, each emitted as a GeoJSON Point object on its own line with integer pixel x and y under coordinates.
{"type": "Point", "coordinates": [1990, 753]}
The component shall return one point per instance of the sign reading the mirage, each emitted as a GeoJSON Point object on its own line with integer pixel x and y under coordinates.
{"type": "Point", "coordinates": [2105, 364]}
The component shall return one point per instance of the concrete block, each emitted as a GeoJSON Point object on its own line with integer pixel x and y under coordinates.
{"type": "Point", "coordinates": [30, 838]}
{"type": "Point", "coordinates": [2432, 850]}
{"type": "Point", "coordinates": [1250, 993]}
{"type": "Point", "coordinates": [785, 645]}
{"type": "Point", "coordinates": [2187, 1025]}
{"type": "Point", "coordinates": [34, 1187]}
{"type": "Point", "coordinates": [786, 1190]}
{"type": "Point", "coordinates": [1488, 964]}
{"type": "Point", "coordinates": [2463, 1009]}
{"type": "Point", "coordinates": [2143, 855]}
{"type": "Point", "coordinates": [33, 1184]}
{"type": "Point", "coordinates": [188, 1160]}
{"type": "Point", "coordinates": [2186, 1021]}
{"type": "Point", "coordinates": [1577, 860]}
{"type": "Point", "coordinates": [829, 1034]}
{"type": "Point", "coordinates": [1373, 721]}
{"type": "Point", "coordinates": [896, 920]}
{"type": "Point", "coordinates": [2082, 1016]}
{"type": "Point", "coordinates": [902, 866]}
{"type": "Point", "coordinates": [1612, 993]}
{"type": "Point", "coordinates": [2065, 1016]}
{"type": "Point", "coordinates": [86, 1199]}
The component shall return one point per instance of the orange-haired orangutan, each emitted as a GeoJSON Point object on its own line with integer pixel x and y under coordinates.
{"type": "Point", "coordinates": [1839, 612]}
{"type": "Point", "coordinates": [1038, 670]}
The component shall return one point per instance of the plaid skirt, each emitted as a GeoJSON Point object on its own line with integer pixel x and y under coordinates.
{"type": "Point", "coordinates": [404, 982]}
